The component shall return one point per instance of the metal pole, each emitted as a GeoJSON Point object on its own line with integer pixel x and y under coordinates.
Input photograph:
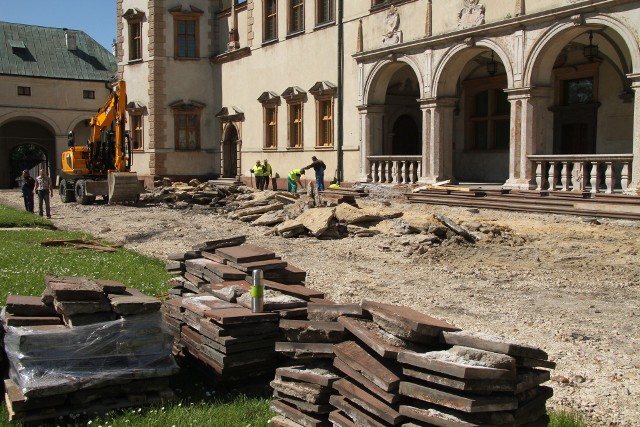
{"type": "Point", "coordinates": [257, 292]}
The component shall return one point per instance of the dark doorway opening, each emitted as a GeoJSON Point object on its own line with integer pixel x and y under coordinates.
{"type": "Point", "coordinates": [230, 153]}
{"type": "Point", "coordinates": [406, 137]}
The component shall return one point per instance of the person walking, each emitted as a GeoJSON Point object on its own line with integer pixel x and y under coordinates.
{"type": "Point", "coordinates": [44, 190]}
{"type": "Point", "coordinates": [319, 167]}
{"type": "Point", "coordinates": [258, 171]}
{"type": "Point", "coordinates": [28, 184]}
{"type": "Point", "coordinates": [293, 180]}
{"type": "Point", "coordinates": [267, 174]}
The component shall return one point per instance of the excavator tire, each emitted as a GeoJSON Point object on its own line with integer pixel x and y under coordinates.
{"type": "Point", "coordinates": [67, 195]}
{"type": "Point", "coordinates": [81, 193]}
{"type": "Point", "coordinates": [123, 187]}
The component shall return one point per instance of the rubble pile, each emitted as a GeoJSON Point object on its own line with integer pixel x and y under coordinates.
{"type": "Point", "coordinates": [85, 346]}
{"type": "Point", "coordinates": [210, 314]}
{"type": "Point", "coordinates": [401, 367]}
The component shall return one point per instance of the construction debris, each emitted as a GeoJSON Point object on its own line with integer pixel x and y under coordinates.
{"type": "Point", "coordinates": [85, 346]}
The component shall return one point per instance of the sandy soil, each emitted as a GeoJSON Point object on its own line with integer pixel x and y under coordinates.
{"type": "Point", "coordinates": [568, 285]}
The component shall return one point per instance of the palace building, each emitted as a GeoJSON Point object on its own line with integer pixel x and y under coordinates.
{"type": "Point", "coordinates": [526, 94]}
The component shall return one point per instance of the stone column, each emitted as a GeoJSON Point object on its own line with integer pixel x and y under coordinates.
{"type": "Point", "coordinates": [528, 133]}
{"type": "Point", "coordinates": [371, 123]}
{"type": "Point", "coordinates": [437, 139]}
{"type": "Point", "coordinates": [634, 187]}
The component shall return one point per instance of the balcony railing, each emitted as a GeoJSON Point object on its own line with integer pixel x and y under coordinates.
{"type": "Point", "coordinates": [395, 169]}
{"type": "Point", "coordinates": [594, 173]}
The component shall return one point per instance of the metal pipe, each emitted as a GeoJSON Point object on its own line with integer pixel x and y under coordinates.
{"type": "Point", "coordinates": [340, 90]}
{"type": "Point", "coordinates": [257, 291]}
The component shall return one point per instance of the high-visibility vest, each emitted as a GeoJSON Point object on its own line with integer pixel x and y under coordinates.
{"type": "Point", "coordinates": [258, 170]}
{"type": "Point", "coordinates": [266, 169]}
{"type": "Point", "coordinates": [295, 174]}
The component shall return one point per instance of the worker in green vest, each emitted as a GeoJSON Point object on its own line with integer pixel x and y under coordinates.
{"type": "Point", "coordinates": [258, 171]}
{"type": "Point", "coordinates": [267, 174]}
{"type": "Point", "coordinates": [293, 180]}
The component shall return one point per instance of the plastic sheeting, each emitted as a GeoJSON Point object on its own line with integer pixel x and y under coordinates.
{"type": "Point", "coordinates": [49, 362]}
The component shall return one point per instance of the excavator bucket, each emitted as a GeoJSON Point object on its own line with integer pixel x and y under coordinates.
{"type": "Point", "coordinates": [123, 187]}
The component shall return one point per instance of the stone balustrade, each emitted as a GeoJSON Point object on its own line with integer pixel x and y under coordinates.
{"type": "Point", "coordinates": [594, 173]}
{"type": "Point", "coordinates": [395, 169]}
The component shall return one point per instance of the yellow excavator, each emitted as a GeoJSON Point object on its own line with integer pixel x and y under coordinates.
{"type": "Point", "coordinates": [103, 166]}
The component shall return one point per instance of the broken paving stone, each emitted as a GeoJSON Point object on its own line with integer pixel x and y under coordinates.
{"type": "Point", "coordinates": [319, 373]}
{"type": "Point", "coordinates": [493, 343]}
{"type": "Point", "coordinates": [72, 308]}
{"type": "Point", "coordinates": [305, 331]}
{"type": "Point", "coordinates": [406, 323]}
{"type": "Point", "coordinates": [88, 319]}
{"type": "Point", "coordinates": [345, 213]}
{"type": "Point", "coordinates": [439, 415]}
{"type": "Point", "coordinates": [290, 228]}
{"type": "Point", "coordinates": [377, 339]}
{"type": "Point", "coordinates": [212, 245]}
{"type": "Point", "coordinates": [270, 219]}
{"type": "Point", "coordinates": [329, 312]}
{"type": "Point", "coordinates": [362, 362]}
{"type": "Point", "coordinates": [11, 320]}
{"type": "Point", "coordinates": [389, 397]}
{"type": "Point", "coordinates": [228, 291]}
{"type": "Point", "coordinates": [305, 350]}
{"type": "Point", "coordinates": [366, 401]}
{"type": "Point", "coordinates": [111, 286]}
{"type": "Point", "coordinates": [290, 412]}
{"type": "Point", "coordinates": [298, 291]}
{"type": "Point", "coordinates": [273, 300]}
{"type": "Point", "coordinates": [456, 228]}
{"type": "Point", "coordinates": [18, 305]}
{"type": "Point", "coordinates": [463, 362]}
{"type": "Point", "coordinates": [129, 305]}
{"type": "Point", "coordinates": [359, 417]}
{"type": "Point", "coordinates": [245, 253]}
{"type": "Point", "coordinates": [308, 392]}
{"type": "Point", "coordinates": [265, 265]}
{"type": "Point", "coordinates": [74, 288]}
{"type": "Point", "coordinates": [317, 220]}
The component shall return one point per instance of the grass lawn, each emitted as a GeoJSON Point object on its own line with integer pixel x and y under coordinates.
{"type": "Point", "coordinates": [23, 264]}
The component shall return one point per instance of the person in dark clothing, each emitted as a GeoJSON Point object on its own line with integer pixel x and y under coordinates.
{"type": "Point", "coordinates": [319, 167]}
{"type": "Point", "coordinates": [28, 184]}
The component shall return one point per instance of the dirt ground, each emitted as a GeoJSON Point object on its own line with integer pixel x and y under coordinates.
{"type": "Point", "coordinates": [569, 285]}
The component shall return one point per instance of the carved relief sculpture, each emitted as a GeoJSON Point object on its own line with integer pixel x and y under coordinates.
{"type": "Point", "coordinates": [471, 15]}
{"type": "Point", "coordinates": [392, 23]}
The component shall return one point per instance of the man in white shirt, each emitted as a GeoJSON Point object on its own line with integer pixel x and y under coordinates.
{"type": "Point", "coordinates": [44, 190]}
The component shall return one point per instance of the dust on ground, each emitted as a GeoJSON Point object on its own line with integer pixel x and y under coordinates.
{"type": "Point", "coordinates": [567, 284]}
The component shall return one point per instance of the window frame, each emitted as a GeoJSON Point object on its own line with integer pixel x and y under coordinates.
{"type": "Point", "coordinates": [272, 36]}
{"type": "Point", "coordinates": [24, 91]}
{"type": "Point", "coordinates": [270, 102]}
{"type": "Point", "coordinates": [330, 16]}
{"type": "Point", "coordinates": [187, 17]}
{"type": "Point", "coordinates": [295, 125]}
{"type": "Point", "coordinates": [88, 94]}
{"type": "Point", "coordinates": [177, 114]}
{"type": "Point", "coordinates": [136, 116]}
{"type": "Point", "coordinates": [293, 10]}
{"type": "Point", "coordinates": [473, 88]}
{"type": "Point", "coordinates": [324, 93]}
{"type": "Point", "coordinates": [135, 40]}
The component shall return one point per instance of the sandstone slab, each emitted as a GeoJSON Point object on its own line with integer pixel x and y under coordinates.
{"type": "Point", "coordinates": [377, 339]}
{"type": "Point", "coordinates": [245, 253]}
{"type": "Point", "coordinates": [28, 306]}
{"type": "Point", "coordinates": [359, 360]}
{"type": "Point", "coordinates": [493, 343]}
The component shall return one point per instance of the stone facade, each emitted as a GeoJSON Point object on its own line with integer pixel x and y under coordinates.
{"type": "Point", "coordinates": [420, 91]}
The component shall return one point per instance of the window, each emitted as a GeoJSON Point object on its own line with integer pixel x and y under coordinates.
{"type": "Point", "coordinates": [324, 92]}
{"type": "Point", "coordinates": [270, 20]}
{"type": "Point", "coordinates": [135, 41]}
{"type": "Point", "coordinates": [295, 126]}
{"type": "Point", "coordinates": [89, 94]}
{"type": "Point", "coordinates": [325, 11]}
{"type": "Point", "coordinates": [186, 38]}
{"type": "Point", "coordinates": [135, 124]}
{"type": "Point", "coordinates": [271, 126]}
{"type": "Point", "coordinates": [578, 91]}
{"type": "Point", "coordinates": [187, 130]}
{"type": "Point", "coordinates": [270, 102]}
{"type": "Point", "coordinates": [296, 16]}
{"type": "Point", "coordinates": [488, 115]}
{"type": "Point", "coordinates": [24, 91]}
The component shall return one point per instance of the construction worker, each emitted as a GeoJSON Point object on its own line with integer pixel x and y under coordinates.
{"type": "Point", "coordinates": [267, 174]}
{"type": "Point", "coordinates": [258, 171]}
{"type": "Point", "coordinates": [319, 167]}
{"type": "Point", "coordinates": [293, 180]}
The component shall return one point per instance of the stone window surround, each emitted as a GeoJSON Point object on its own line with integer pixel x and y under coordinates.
{"type": "Point", "coordinates": [136, 117]}
{"type": "Point", "coordinates": [134, 18]}
{"type": "Point", "coordinates": [270, 102]}
{"type": "Point", "coordinates": [323, 92]}
{"type": "Point", "coordinates": [331, 19]}
{"type": "Point", "coordinates": [193, 14]}
{"type": "Point", "coordinates": [187, 108]}
{"type": "Point", "coordinates": [472, 88]}
{"type": "Point", "coordinates": [291, 9]}
{"type": "Point", "coordinates": [295, 98]}
{"type": "Point", "coordinates": [269, 38]}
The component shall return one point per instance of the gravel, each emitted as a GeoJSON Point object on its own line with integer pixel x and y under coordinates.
{"type": "Point", "coordinates": [567, 284]}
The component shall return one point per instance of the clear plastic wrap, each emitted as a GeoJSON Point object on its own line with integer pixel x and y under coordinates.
{"type": "Point", "coordinates": [50, 362]}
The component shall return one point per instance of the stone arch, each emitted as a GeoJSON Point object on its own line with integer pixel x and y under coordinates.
{"type": "Point", "coordinates": [540, 60]}
{"type": "Point", "coordinates": [382, 72]}
{"type": "Point", "coordinates": [445, 84]}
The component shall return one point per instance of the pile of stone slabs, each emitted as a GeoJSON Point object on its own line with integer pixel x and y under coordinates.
{"type": "Point", "coordinates": [477, 380]}
{"type": "Point", "coordinates": [302, 393]}
{"type": "Point", "coordinates": [232, 343]}
{"type": "Point", "coordinates": [86, 345]}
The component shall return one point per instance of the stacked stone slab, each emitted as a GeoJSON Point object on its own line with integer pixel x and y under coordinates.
{"type": "Point", "coordinates": [85, 346]}
{"type": "Point", "coordinates": [302, 392]}
{"type": "Point", "coordinates": [406, 368]}
{"type": "Point", "coordinates": [212, 320]}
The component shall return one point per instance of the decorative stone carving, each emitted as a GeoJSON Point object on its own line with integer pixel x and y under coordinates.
{"type": "Point", "coordinates": [471, 15]}
{"type": "Point", "coordinates": [392, 23]}
{"type": "Point", "coordinates": [234, 39]}
{"type": "Point", "coordinates": [360, 42]}
{"type": "Point", "coordinates": [577, 19]}
{"type": "Point", "coordinates": [469, 41]}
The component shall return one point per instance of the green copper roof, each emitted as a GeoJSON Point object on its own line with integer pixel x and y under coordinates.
{"type": "Point", "coordinates": [29, 50]}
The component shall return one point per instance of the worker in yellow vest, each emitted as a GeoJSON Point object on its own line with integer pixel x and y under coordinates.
{"type": "Point", "coordinates": [258, 171]}
{"type": "Point", "coordinates": [293, 180]}
{"type": "Point", "coordinates": [267, 174]}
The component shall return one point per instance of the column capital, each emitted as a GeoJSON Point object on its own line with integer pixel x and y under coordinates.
{"type": "Point", "coordinates": [514, 94]}
{"type": "Point", "coordinates": [635, 80]}
{"type": "Point", "coordinates": [426, 103]}
{"type": "Point", "coordinates": [371, 109]}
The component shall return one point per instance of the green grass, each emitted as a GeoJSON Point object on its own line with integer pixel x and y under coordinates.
{"type": "Point", "coordinates": [566, 419]}
{"type": "Point", "coordinates": [23, 264]}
